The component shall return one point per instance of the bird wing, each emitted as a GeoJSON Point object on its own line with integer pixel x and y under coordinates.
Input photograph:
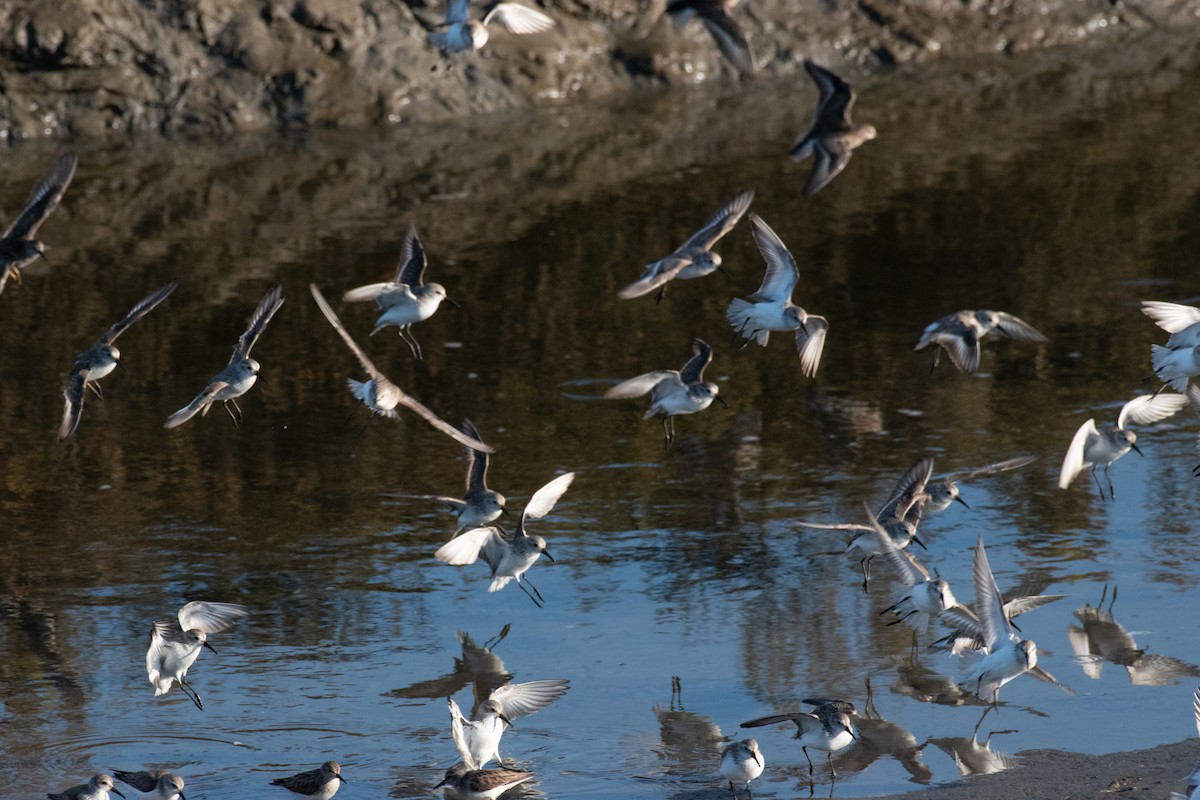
{"type": "Point", "coordinates": [522, 699]}
{"type": "Point", "coordinates": [907, 491]}
{"type": "Point", "coordinates": [144, 782]}
{"type": "Point", "coordinates": [1017, 329]}
{"type": "Point", "coordinates": [73, 405]}
{"type": "Point", "coordinates": [636, 387]}
{"type": "Point", "coordinates": [411, 269]}
{"type": "Point", "coordinates": [1150, 408]}
{"type": "Point", "coordinates": [543, 499]}
{"type": "Point", "coordinates": [962, 345]}
{"type": "Point", "coordinates": [439, 423]}
{"type": "Point", "coordinates": [305, 784]}
{"type": "Point", "coordinates": [341, 329]}
{"type": "Point", "coordinates": [907, 567]}
{"type": "Point", "coordinates": [1171, 317]}
{"type": "Point", "coordinates": [477, 462]}
{"type": "Point", "coordinates": [210, 617]}
{"type": "Point", "coordinates": [143, 307]}
{"type": "Point", "coordinates": [519, 19]}
{"type": "Point", "coordinates": [720, 223]}
{"type": "Point", "coordinates": [810, 343]}
{"type": "Point", "coordinates": [989, 606]}
{"type": "Point", "coordinates": [731, 39]}
{"type": "Point", "coordinates": [804, 721]}
{"type": "Point", "coordinates": [1019, 605]}
{"type": "Point", "coordinates": [654, 276]}
{"type": "Point", "coordinates": [456, 732]}
{"type": "Point", "coordinates": [1073, 464]}
{"type": "Point", "coordinates": [1046, 677]}
{"type": "Point", "coordinates": [262, 315]}
{"type": "Point", "coordinates": [833, 107]}
{"type": "Point", "coordinates": [782, 274]}
{"type": "Point", "coordinates": [830, 156]}
{"type": "Point", "coordinates": [43, 199]}
{"type": "Point", "coordinates": [990, 469]}
{"type": "Point", "coordinates": [467, 547]}
{"type": "Point", "coordinates": [200, 403]}
{"type": "Point", "coordinates": [693, 370]}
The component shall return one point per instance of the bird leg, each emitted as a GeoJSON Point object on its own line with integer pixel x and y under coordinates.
{"type": "Point", "coordinates": [1112, 493]}
{"type": "Point", "coordinates": [192, 694]}
{"type": "Point", "coordinates": [521, 585]}
{"type": "Point", "coordinates": [733, 791]}
{"type": "Point", "coordinates": [411, 341]}
{"type": "Point", "coordinates": [95, 387]}
{"type": "Point", "coordinates": [865, 564]}
{"type": "Point", "coordinates": [1096, 478]}
{"type": "Point", "coordinates": [669, 430]}
{"type": "Point", "coordinates": [237, 420]}
{"type": "Point", "coordinates": [810, 764]}
{"type": "Point", "coordinates": [662, 290]}
{"type": "Point", "coordinates": [832, 771]}
{"type": "Point", "coordinates": [535, 589]}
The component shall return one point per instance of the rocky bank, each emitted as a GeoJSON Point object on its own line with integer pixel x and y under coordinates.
{"type": "Point", "coordinates": [91, 67]}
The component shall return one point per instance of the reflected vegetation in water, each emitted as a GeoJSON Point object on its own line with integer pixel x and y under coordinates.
{"type": "Point", "coordinates": [684, 562]}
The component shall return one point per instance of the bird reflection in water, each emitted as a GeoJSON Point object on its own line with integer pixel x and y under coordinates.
{"type": "Point", "coordinates": [1099, 638]}
{"type": "Point", "coordinates": [477, 666]}
{"type": "Point", "coordinates": [878, 738]}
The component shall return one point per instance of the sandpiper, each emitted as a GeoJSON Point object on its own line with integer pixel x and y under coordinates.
{"type": "Point", "coordinates": [100, 359]}
{"type": "Point", "coordinates": [771, 307]}
{"type": "Point", "coordinates": [382, 396]}
{"type": "Point", "coordinates": [959, 334]}
{"type": "Point", "coordinates": [478, 738]}
{"type": "Point", "coordinates": [480, 505]}
{"type": "Point", "coordinates": [827, 727]}
{"type": "Point", "coordinates": [159, 784]}
{"type": "Point", "coordinates": [174, 647]}
{"type": "Point", "coordinates": [406, 299]}
{"type": "Point", "coordinates": [741, 762]}
{"type": "Point", "coordinates": [239, 374]}
{"type": "Point", "coordinates": [944, 490]}
{"type": "Point", "coordinates": [1092, 447]}
{"type": "Point", "coordinates": [321, 783]}
{"type": "Point", "coordinates": [673, 393]}
{"type": "Point", "coordinates": [694, 258]}
{"type": "Point", "coordinates": [97, 788]}
{"type": "Point", "coordinates": [460, 33]}
{"type": "Point", "coordinates": [509, 558]}
{"type": "Point", "coordinates": [832, 137]}
{"type": "Point", "coordinates": [17, 245]}
{"type": "Point", "coordinates": [481, 784]}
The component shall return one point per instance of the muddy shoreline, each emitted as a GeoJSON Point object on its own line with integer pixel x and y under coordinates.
{"type": "Point", "coordinates": [210, 67]}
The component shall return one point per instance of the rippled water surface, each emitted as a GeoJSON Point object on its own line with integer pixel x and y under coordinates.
{"type": "Point", "coordinates": [684, 563]}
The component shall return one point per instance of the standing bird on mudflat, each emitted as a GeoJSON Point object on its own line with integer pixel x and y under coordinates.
{"type": "Point", "coordinates": [321, 783]}
{"type": "Point", "coordinates": [459, 33]}
{"type": "Point", "coordinates": [241, 373]}
{"type": "Point", "coordinates": [727, 32]}
{"type": "Point", "coordinates": [741, 762]}
{"type": "Point", "coordinates": [959, 334]}
{"type": "Point", "coordinates": [382, 396]}
{"type": "Point", "coordinates": [18, 247]}
{"type": "Point", "coordinates": [827, 727]}
{"type": "Point", "coordinates": [463, 783]}
{"type": "Point", "coordinates": [694, 258]}
{"type": "Point", "coordinates": [673, 393]}
{"type": "Point", "coordinates": [832, 137]}
{"type": "Point", "coordinates": [1092, 447]}
{"type": "Point", "coordinates": [478, 738]}
{"type": "Point", "coordinates": [97, 788]}
{"type": "Point", "coordinates": [175, 646]}
{"type": "Point", "coordinates": [100, 359]}
{"type": "Point", "coordinates": [159, 784]}
{"type": "Point", "coordinates": [771, 307]}
{"type": "Point", "coordinates": [406, 299]}
{"type": "Point", "coordinates": [509, 558]}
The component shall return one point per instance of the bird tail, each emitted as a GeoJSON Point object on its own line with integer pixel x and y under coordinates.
{"type": "Point", "coordinates": [187, 412]}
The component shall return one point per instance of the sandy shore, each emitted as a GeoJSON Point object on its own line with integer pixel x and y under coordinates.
{"type": "Point", "coordinates": [1152, 773]}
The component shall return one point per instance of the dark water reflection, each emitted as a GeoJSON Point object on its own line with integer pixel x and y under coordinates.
{"type": "Point", "coordinates": [685, 563]}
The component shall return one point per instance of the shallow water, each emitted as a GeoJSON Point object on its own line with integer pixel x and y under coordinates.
{"type": "Point", "coordinates": [684, 563]}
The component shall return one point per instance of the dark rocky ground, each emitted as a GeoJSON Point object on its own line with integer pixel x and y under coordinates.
{"type": "Point", "coordinates": [88, 67]}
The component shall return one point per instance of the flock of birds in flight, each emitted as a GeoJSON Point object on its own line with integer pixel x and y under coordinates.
{"type": "Point", "coordinates": [993, 653]}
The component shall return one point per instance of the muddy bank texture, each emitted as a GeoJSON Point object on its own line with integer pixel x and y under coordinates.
{"type": "Point", "coordinates": [1054, 775]}
{"type": "Point", "coordinates": [88, 67]}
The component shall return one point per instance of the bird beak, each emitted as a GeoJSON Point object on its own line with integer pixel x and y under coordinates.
{"type": "Point", "coordinates": [181, 797]}
{"type": "Point", "coordinates": [546, 553]}
{"type": "Point", "coordinates": [1137, 449]}
{"type": "Point", "coordinates": [210, 647]}
{"type": "Point", "coordinates": [507, 721]}
{"type": "Point", "coordinates": [721, 400]}
{"type": "Point", "coordinates": [441, 784]}
{"type": "Point", "coordinates": [918, 541]}
{"type": "Point", "coordinates": [263, 378]}
{"type": "Point", "coordinates": [117, 361]}
{"type": "Point", "coordinates": [340, 778]}
{"type": "Point", "coordinates": [757, 760]}
{"type": "Point", "coordinates": [117, 791]}
{"type": "Point", "coordinates": [958, 499]}
{"type": "Point", "coordinates": [504, 511]}
{"type": "Point", "coordinates": [451, 302]}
